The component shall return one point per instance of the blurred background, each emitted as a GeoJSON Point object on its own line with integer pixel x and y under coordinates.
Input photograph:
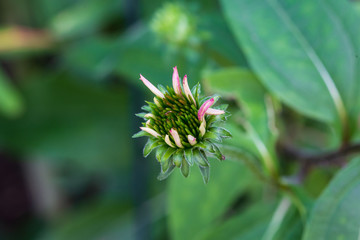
{"type": "Point", "coordinates": [69, 89]}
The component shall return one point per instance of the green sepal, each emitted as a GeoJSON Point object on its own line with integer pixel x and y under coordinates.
{"type": "Point", "coordinates": [213, 119]}
{"type": "Point", "coordinates": [200, 158]}
{"type": "Point", "coordinates": [217, 152]}
{"type": "Point", "coordinates": [141, 134]}
{"type": "Point", "coordinates": [162, 88]}
{"type": "Point", "coordinates": [222, 107]}
{"type": "Point", "coordinates": [150, 145]}
{"type": "Point", "coordinates": [160, 152]}
{"type": "Point", "coordinates": [146, 108]}
{"type": "Point", "coordinates": [152, 105]}
{"type": "Point", "coordinates": [168, 154]}
{"type": "Point", "coordinates": [196, 90]}
{"type": "Point", "coordinates": [141, 115]}
{"type": "Point", "coordinates": [207, 146]}
{"type": "Point", "coordinates": [178, 157]}
{"type": "Point", "coordinates": [222, 132]}
{"type": "Point", "coordinates": [185, 168]}
{"type": "Point", "coordinates": [189, 156]}
{"type": "Point", "coordinates": [166, 174]}
{"type": "Point", "coordinates": [205, 173]}
{"type": "Point", "coordinates": [165, 164]}
{"type": "Point", "coordinates": [212, 136]}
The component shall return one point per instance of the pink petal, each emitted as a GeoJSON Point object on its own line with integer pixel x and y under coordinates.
{"type": "Point", "coordinates": [212, 111]}
{"type": "Point", "coordinates": [176, 138]}
{"type": "Point", "coordinates": [187, 90]}
{"type": "Point", "coordinates": [192, 140]}
{"type": "Point", "coordinates": [151, 87]}
{"type": "Point", "coordinates": [202, 128]}
{"type": "Point", "coordinates": [204, 108]}
{"type": "Point", "coordinates": [168, 141]}
{"type": "Point", "coordinates": [176, 81]}
{"type": "Point", "coordinates": [151, 131]}
{"type": "Point", "coordinates": [157, 102]}
{"type": "Point", "coordinates": [149, 115]}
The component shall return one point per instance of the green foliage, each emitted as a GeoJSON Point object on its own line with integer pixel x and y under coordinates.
{"type": "Point", "coordinates": [336, 213]}
{"type": "Point", "coordinates": [195, 207]}
{"type": "Point", "coordinates": [70, 120]}
{"type": "Point", "coordinates": [287, 72]}
{"type": "Point", "coordinates": [303, 50]}
{"type": "Point", "coordinates": [243, 85]}
{"type": "Point", "coordinates": [11, 103]}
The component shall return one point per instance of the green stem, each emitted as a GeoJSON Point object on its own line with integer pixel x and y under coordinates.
{"type": "Point", "coordinates": [295, 200]}
{"type": "Point", "coordinates": [277, 218]}
{"type": "Point", "coordinates": [267, 159]}
{"type": "Point", "coordinates": [234, 153]}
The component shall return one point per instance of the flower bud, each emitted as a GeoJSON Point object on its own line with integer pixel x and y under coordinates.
{"type": "Point", "coordinates": [182, 132]}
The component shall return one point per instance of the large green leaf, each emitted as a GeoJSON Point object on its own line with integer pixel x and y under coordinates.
{"type": "Point", "coordinates": [258, 113]}
{"type": "Point", "coordinates": [255, 223]}
{"type": "Point", "coordinates": [222, 46]}
{"type": "Point", "coordinates": [10, 101]}
{"type": "Point", "coordinates": [303, 51]}
{"type": "Point", "coordinates": [357, 6]}
{"type": "Point", "coordinates": [336, 214]}
{"type": "Point", "coordinates": [248, 225]}
{"type": "Point", "coordinates": [194, 206]}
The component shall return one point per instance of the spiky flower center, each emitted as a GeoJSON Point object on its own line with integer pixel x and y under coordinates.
{"type": "Point", "coordinates": [175, 112]}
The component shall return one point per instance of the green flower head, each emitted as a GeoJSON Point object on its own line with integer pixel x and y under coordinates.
{"type": "Point", "coordinates": [182, 127]}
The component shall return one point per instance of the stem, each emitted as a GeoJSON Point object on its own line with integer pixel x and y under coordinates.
{"type": "Point", "coordinates": [277, 219]}
{"type": "Point", "coordinates": [323, 158]}
{"type": "Point", "coordinates": [296, 201]}
{"type": "Point", "coordinates": [267, 159]}
{"type": "Point", "coordinates": [240, 156]}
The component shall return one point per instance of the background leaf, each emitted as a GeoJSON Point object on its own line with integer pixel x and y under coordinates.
{"type": "Point", "coordinates": [250, 224]}
{"type": "Point", "coordinates": [195, 207]}
{"type": "Point", "coordinates": [291, 58]}
{"type": "Point", "coordinates": [11, 103]}
{"type": "Point", "coordinates": [336, 214]}
{"type": "Point", "coordinates": [244, 87]}
{"type": "Point", "coordinates": [71, 120]}
{"type": "Point", "coordinates": [84, 18]}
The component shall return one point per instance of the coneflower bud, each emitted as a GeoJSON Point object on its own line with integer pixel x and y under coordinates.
{"type": "Point", "coordinates": [192, 140]}
{"type": "Point", "coordinates": [181, 132]}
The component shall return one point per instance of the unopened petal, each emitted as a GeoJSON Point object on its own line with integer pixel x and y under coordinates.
{"type": "Point", "coordinates": [151, 131]}
{"type": "Point", "coordinates": [149, 115]}
{"type": "Point", "coordinates": [202, 128]}
{"type": "Point", "coordinates": [204, 108]}
{"type": "Point", "coordinates": [157, 103]}
{"type": "Point", "coordinates": [176, 138]}
{"type": "Point", "coordinates": [176, 81]}
{"type": "Point", "coordinates": [187, 90]}
{"type": "Point", "coordinates": [212, 111]}
{"type": "Point", "coordinates": [168, 141]}
{"type": "Point", "coordinates": [148, 123]}
{"type": "Point", "coordinates": [151, 87]}
{"type": "Point", "coordinates": [192, 140]}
